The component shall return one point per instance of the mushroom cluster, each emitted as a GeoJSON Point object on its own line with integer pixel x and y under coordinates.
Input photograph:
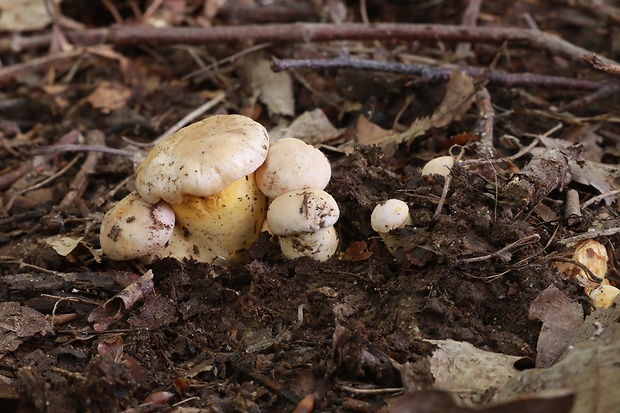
{"type": "Point", "coordinates": [300, 212]}
{"type": "Point", "coordinates": [202, 194]}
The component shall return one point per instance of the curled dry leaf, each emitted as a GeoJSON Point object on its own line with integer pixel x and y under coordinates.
{"type": "Point", "coordinates": [113, 309]}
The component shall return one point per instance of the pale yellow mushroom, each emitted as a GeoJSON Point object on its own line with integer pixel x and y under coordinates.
{"type": "Point", "coordinates": [205, 172]}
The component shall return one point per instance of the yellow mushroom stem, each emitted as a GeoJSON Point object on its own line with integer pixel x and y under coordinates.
{"type": "Point", "coordinates": [220, 228]}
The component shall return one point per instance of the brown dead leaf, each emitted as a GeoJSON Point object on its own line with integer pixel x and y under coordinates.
{"type": "Point", "coordinates": [460, 367]}
{"type": "Point", "coordinates": [275, 90]}
{"type": "Point", "coordinates": [561, 317]}
{"type": "Point", "coordinates": [23, 15]}
{"type": "Point", "coordinates": [368, 133]}
{"type": "Point", "coordinates": [19, 323]}
{"type": "Point", "coordinates": [312, 126]}
{"type": "Point", "coordinates": [357, 251]}
{"type": "Point", "coordinates": [435, 401]}
{"type": "Point", "coordinates": [589, 367]}
{"type": "Point", "coordinates": [457, 100]}
{"type": "Point", "coordinates": [109, 96]}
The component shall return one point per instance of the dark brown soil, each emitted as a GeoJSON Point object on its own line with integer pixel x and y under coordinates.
{"type": "Point", "coordinates": [262, 335]}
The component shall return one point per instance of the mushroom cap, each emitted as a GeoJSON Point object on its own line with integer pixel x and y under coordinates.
{"type": "Point", "coordinates": [133, 228]}
{"type": "Point", "coordinates": [442, 165]}
{"type": "Point", "coordinates": [219, 228]}
{"type": "Point", "coordinates": [292, 164]}
{"type": "Point", "coordinates": [202, 159]}
{"type": "Point", "coordinates": [390, 215]}
{"type": "Point", "coordinates": [301, 211]}
{"type": "Point", "coordinates": [319, 245]}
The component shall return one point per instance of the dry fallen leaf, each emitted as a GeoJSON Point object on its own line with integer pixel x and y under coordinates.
{"type": "Point", "coordinates": [311, 126]}
{"type": "Point", "coordinates": [18, 323]}
{"type": "Point", "coordinates": [462, 368]}
{"type": "Point", "coordinates": [368, 133]}
{"type": "Point", "coordinates": [590, 368]}
{"type": "Point", "coordinates": [435, 401]}
{"type": "Point", "coordinates": [22, 15]}
{"type": "Point", "coordinates": [457, 100]}
{"type": "Point", "coordinates": [275, 90]}
{"type": "Point", "coordinates": [109, 96]}
{"type": "Point", "coordinates": [63, 244]}
{"type": "Point", "coordinates": [561, 317]}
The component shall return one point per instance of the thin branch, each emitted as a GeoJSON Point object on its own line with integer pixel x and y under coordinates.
{"type": "Point", "coordinates": [311, 32]}
{"type": "Point", "coordinates": [433, 73]}
{"type": "Point", "coordinates": [518, 243]}
{"type": "Point", "coordinates": [469, 18]}
{"type": "Point", "coordinates": [484, 125]}
{"type": "Point", "coordinates": [599, 198]}
{"type": "Point", "coordinates": [590, 234]}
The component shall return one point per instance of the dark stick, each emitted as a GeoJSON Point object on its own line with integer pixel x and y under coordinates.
{"type": "Point", "coordinates": [431, 73]}
{"type": "Point", "coordinates": [310, 32]}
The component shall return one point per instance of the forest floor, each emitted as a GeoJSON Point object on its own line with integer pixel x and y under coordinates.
{"type": "Point", "coordinates": [483, 304]}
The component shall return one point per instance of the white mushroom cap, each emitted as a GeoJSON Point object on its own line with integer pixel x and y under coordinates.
{"type": "Point", "coordinates": [441, 165]}
{"type": "Point", "coordinates": [390, 215]}
{"type": "Point", "coordinates": [292, 164]}
{"type": "Point", "coordinates": [319, 245]}
{"type": "Point", "coordinates": [134, 228]}
{"type": "Point", "coordinates": [202, 159]}
{"type": "Point", "coordinates": [301, 211]}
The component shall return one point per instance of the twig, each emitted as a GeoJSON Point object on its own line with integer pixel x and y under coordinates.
{"type": "Point", "coordinates": [434, 74]}
{"type": "Point", "coordinates": [446, 188]}
{"type": "Point", "coordinates": [68, 166]}
{"type": "Point", "coordinates": [55, 149]}
{"type": "Point", "coordinates": [81, 178]}
{"type": "Point", "coordinates": [310, 32]}
{"type": "Point", "coordinates": [599, 198]}
{"type": "Point", "coordinates": [520, 242]}
{"type": "Point", "coordinates": [9, 178]}
{"type": "Point", "coordinates": [605, 67]}
{"type": "Point", "coordinates": [484, 125]}
{"type": "Point", "coordinates": [384, 390]}
{"type": "Point", "coordinates": [590, 234]}
{"type": "Point", "coordinates": [606, 91]}
{"type": "Point", "coordinates": [469, 18]}
{"type": "Point", "coordinates": [584, 267]}
{"type": "Point", "coordinates": [191, 116]}
{"type": "Point", "coordinates": [8, 72]}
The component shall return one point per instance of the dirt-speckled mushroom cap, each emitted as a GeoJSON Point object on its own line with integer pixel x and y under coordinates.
{"type": "Point", "coordinates": [300, 211]}
{"type": "Point", "coordinates": [202, 159]}
{"type": "Point", "coordinates": [390, 215]}
{"type": "Point", "coordinates": [319, 245]}
{"type": "Point", "coordinates": [292, 164]}
{"type": "Point", "coordinates": [133, 228]}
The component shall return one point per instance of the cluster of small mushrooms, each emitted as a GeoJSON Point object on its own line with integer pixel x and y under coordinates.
{"type": "Point", "coordinates": [393, 214]}
{"type": "Point", "coordinates": [202, 194]}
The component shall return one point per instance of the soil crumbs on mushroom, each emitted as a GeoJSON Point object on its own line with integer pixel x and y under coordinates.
{"type": "Point", "coordinates": [262, 335]}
